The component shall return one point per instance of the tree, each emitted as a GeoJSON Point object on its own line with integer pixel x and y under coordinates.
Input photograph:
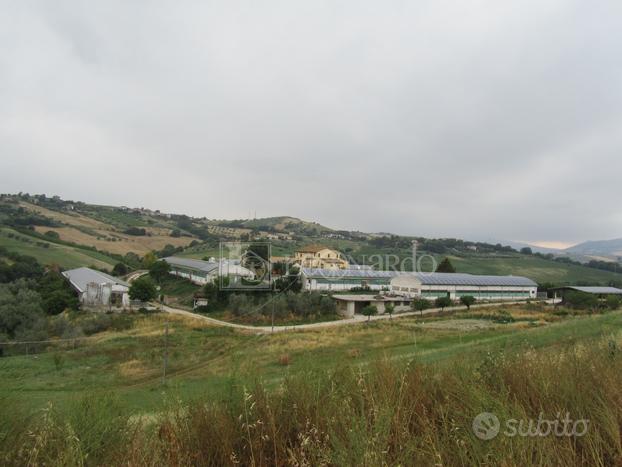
{"type": "Point", "coordinates": [149, 259]}
{"type": "Point", "coordinates": [120, 269]}
{"type": "Point", "coordinates": [216, 297]}
{"type": "Point", "coordinates": [420, 304]}
{"type": "Point", "coordinates": [143, 289]}
{"type": "Point", "coordinates": [369, 311]}
{"type": "Point", "coordinates": [159, 271]}
{"type": "Point", "coordinates": [580, 300]}
{"type": "Point", "coordinates": [390, 309]}
{"type": "Point", "coordinates": [613, 302]}
{"type": "Point", "coordinates": [526, 251]}
{"type": "Point", "coordinates": [442, 302]}
{"type": "Point", "coordinates": [445, 266]}
{"type": "Point", "coordinates": [20, 309]}
{"type": "Point", "coordinates": [56, 293]}
{"type": "Point", "coordinates": [467, 300]}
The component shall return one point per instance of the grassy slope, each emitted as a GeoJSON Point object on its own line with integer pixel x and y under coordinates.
{"type": "Point", "coordinates": [108, 219]}
{"type": "Point", "coordinates": [538, 269]}
{"type": "Point", "coordinates": [210, 360]}
{"type": "Point", "coordinates": [64, 256]}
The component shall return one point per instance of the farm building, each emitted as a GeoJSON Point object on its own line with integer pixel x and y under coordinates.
{"type": "Point", "coordinates": [601, 291]}
{"type": "Point", "coordinates": [348, 305]}
{"type": "Point", "coordinates": [97, 288]}
{"type": "Point", "coordinates": [426, 285]}
{"type": "Point", "coordinates": [345, 279]}
{"type": "Point", "coordinates": [201, 272]}
{"type": "Point", "coordinates": [454, 286]}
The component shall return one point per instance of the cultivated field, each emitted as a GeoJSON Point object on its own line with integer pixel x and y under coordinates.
{"type": "Point", "coordinates": [65, 256]}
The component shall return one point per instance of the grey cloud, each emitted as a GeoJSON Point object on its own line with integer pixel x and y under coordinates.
{"type": "Point", "coordinates": [475, 119]}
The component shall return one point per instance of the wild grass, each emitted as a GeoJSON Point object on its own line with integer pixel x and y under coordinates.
{"type": "Point", "coordinates": [387, 413]}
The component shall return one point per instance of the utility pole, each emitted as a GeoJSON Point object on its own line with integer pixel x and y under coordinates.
{"type": "Point", "coordinates": [165, 352]}
{"type": "Point", "coordinates": [272, 310]}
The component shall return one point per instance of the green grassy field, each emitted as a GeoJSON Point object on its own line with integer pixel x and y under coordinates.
{"type": "Point", "coordinates": [63, 255]}
{"type": "Point", "coordinates": [538, 269]}
{"type": "Point", "coordinates": [206, 361]}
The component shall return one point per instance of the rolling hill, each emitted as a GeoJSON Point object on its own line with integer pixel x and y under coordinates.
{"type": "Point", "coordinates": [606, 248]}
{"type": "Point", "coordinates": [73, 234]}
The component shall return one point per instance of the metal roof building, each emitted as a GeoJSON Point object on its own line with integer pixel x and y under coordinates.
{"type": "Point", "coordinates": [593, 290]}
{"type": "Point", "coordinates": [420, 283]}
{"type": "Point", "coordinates": [454, 286]}
{"type": "Point", "coordinates": [201, 272]}
{"type": "Point", "coordinates": [98, 288]}
{"type": "Point", "coordinates": [80, 278]}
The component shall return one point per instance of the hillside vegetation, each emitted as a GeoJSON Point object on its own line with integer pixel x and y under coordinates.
{"type": "Point", "coordinates": [73, 234]}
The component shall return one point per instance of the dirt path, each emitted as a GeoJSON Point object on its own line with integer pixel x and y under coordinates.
{"type": "Point", "coordinates": [357, 319]}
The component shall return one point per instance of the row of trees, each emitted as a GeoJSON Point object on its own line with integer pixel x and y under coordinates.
{"type": "Point", "coordinates": [585, 301]}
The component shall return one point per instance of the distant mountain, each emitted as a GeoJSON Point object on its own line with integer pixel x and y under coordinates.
{"type": "Point", "coordinates": [519, 245]}
{"type": "Point", "coordinates": [605, 248]}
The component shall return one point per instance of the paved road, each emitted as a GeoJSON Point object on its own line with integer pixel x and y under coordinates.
{"type": "Point", "coordinates": [358, 319]}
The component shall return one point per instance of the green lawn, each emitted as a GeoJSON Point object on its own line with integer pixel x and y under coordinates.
{"type": "Point", "coordinates": [209, 360]}
{"type": "Point", "coordinates": [63, 255]}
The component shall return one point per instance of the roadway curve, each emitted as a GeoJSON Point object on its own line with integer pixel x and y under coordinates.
{"type": "Point", "coordinates": [357, 319]}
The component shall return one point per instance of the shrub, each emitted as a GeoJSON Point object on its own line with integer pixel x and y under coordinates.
{"type": "Point", "coordinates": [143, 289]}
{"type": "Point", "coordinates": [420, 304]}
{"type": "Point", "coordinates": [580, 300]}
{"type": "Point", "coordinates": [443, 302]}
{"type": "Point", "coordinates": [135, 231]}
{"type": "Point", "coordinates": [369, 311]}
{"type": "Point", "coordinates": [613, 302]}
{"type": "Point", "coordinates": [467, 300]}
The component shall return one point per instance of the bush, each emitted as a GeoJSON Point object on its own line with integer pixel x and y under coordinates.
{"type": "Point", "coordinates": [580, 300]}
{"type": "Point", "coordinates": [369, 311]}
{"type": "Point", "coordinates": [52, 234]}
{"type": "Point", "coordinates": [467, 300]}
{"type": "Point", "coordinates": [143, 289]}
{"type": "Point", "coordinates": [443, 302]}
{"type": "Point", "coordinates": [120, 269]}
{"type": "Point", "coordinates": [420, 304]}
{"type": "Point", "coordinates": [135, 231]}
{"type": "Point", "coordinates": [613, 302]}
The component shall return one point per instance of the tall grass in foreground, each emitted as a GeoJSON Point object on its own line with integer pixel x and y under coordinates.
{"type": "Point", "coordinates": [389, 414]}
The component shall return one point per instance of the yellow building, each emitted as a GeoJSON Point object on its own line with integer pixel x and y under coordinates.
{"type": "Point", "coordinates": [320, 257]}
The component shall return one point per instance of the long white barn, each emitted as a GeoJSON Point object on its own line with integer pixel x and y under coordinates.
{"type": "Point", "coordinates": [454, 286]}
{"type": "Point", "coordinates": [201, 272]}
{"type": "Point", "coordinates": [418, 284]}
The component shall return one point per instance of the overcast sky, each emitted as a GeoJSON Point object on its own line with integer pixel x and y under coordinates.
{"type": "Point", "coordinates": [472, 119]}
